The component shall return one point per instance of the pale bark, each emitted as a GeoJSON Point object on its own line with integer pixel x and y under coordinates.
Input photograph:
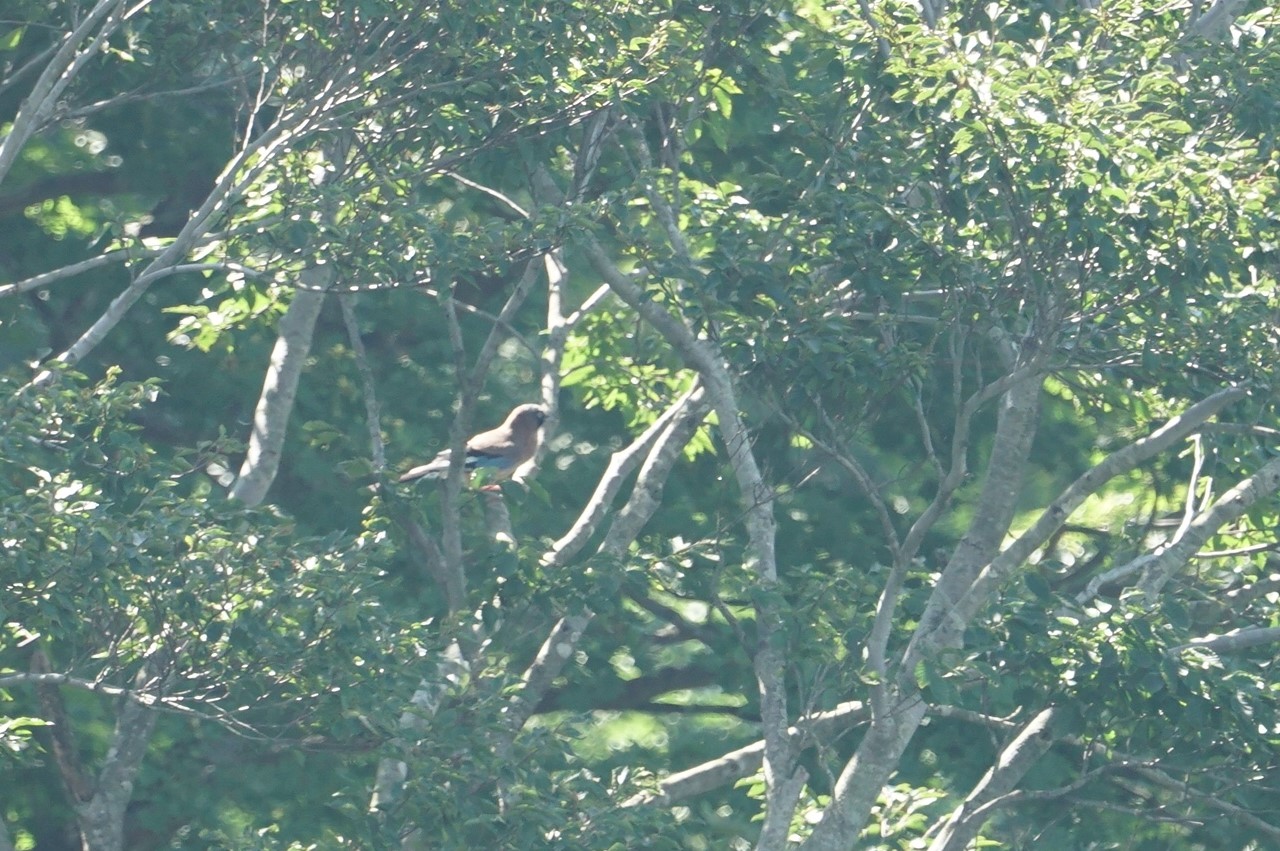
{"type": "Point", "coordinates": [553, 655]}
{"type": "Point", "coordinates": [865, 774]}
{"type": "Point", "coordinates": [962, 825]}
{"type": "Point", "coordinates": [1235, 641]}
{"type": "Point", "coordinates": [899, 709]}
{"type": "Point", "coordinates": [1090, 482]}
{"type": "Point", "coordinates": [1161, 566]}
{"type": "Point", "coordinates": [621, 464]}
{"type": "Point", "coordinates": [70, 58]}
{"type": "Point", "coordinates": [237, 175]}
{"type": "Point", "coordinates": [44, 279]}
{"type": "Point", "coordinates": [756, 498]}
{"type": "Point", "coordinates": [451, 668]}
{"type": "Point", "coordinates": [1015, 429]}
{"type": "Point", "coordinates": [646, 494]}
{"type": "Point", "coordinates": [1215, 23]}
{"type": "Point", "coordinates": [101, 818]}
{"type": "Point", "coordinates": [645, 498]}
{"type": "Point", "coordinates": [280, 387]}
{"type": "Point", "coordinates": [745, 761]}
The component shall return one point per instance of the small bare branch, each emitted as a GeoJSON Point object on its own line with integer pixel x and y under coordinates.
{"type": "Point", "coordinates": [491, 192]}
{"type": "Point", "coordinates": [138, 97]}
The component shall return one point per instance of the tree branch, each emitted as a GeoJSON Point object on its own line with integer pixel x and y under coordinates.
{"type": "Point", "coordinates": [372, 413]}
{"type": "Point", "coordinates": [961, 827]}
{"type": "Point", "coordinates": [621, 463]}
{"type": "Point", "coordinates": [1163, 780]}
{"type": "Point", "coordinates": [552, 656]}
{"type": "Point", "coordinates": [1060, 510]}
{"type": "Point", "coordinates": [101, 818]}
{"type": "Point", "coordinates": [645, 498]}
{"type": "Point", "coordinates": [1234, 641]}
{"type": "Point", "coordinates": [279, 389]}
{"type": "Point", "coordinates": [36, 108]}
{"type": "Point", "coordinates": [940, 626]}
{"type": "Point", "coordinates": [898, 712]}
{"type": "Point", "coordinates": [1118, 761]}
{"type": "Point", "coordinates": [1160, 567]}
{"type": "Point", "coordinates": [238, 174]}
{"type": "Point", "coordinates": [757, 502]}
{"type": "Point", "coordinates": [746, 761]}
{"type": "Point", "coordinates": [66, 754]}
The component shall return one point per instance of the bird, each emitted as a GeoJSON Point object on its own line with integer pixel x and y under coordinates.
{"type": "Point", "coordinates": [500, 449]}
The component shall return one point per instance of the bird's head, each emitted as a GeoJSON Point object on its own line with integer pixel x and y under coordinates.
{"type": "Point", "coordinates": [526, 416]}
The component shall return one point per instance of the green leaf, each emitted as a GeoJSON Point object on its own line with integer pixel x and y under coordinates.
{"type": "Point", "coordinates": [12, 39]}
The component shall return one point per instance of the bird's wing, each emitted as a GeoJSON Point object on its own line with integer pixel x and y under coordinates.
{"type": "Point", "coordinates": [494, 448]}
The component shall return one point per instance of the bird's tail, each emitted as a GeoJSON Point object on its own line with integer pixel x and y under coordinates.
{"type": "Point", "coordinates": [434, 469]}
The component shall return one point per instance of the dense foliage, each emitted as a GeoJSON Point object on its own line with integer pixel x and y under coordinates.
{"type": "Point", "coordinates": [909, 480]}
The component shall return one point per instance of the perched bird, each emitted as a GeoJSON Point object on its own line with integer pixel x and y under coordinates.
{"type": "Point", "coordinates": [501, 449]}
